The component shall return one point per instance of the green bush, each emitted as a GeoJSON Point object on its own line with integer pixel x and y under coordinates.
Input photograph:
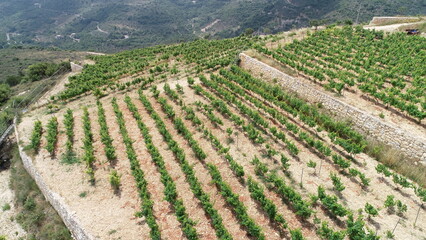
{"type": "Point", "coordinates": [370, 210]}
{"type": "Point", "coordinates": [39, 71]}
{"type": "Point", "coordinates": [5, 93]}
{"type": "Point", "coordinates": [115, 179]}
{"type": "Point", "coordinates": [6, 207]}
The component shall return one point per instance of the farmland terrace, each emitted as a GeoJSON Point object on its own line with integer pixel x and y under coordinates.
{"type": "Point", "coordinates": [179, 142]}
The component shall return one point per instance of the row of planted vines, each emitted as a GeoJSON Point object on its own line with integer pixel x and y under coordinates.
{"type": "Point", "coordinates": [229, 156]}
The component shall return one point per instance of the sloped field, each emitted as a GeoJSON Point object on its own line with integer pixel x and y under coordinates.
{"type": "Point", "coordinates": [217, 154]}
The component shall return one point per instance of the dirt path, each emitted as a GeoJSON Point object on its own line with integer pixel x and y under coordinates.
{"type": "Point", "coordinates": [59, 87]}
{"type": "Point", "coordinates": [100, 30]}
{"type": "Point", "coordinates": [210, 25]}
{"type": "Point", "coordinates": [9, 228]}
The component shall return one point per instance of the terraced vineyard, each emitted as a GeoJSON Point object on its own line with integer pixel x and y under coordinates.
{"type": "Point", "coordinates": [388, 69]}
{"type": "Point", "coordinates": [177, 142]}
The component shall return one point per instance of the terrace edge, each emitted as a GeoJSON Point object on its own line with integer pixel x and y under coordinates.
{"type": "Point", "coordinates": [68, 217]}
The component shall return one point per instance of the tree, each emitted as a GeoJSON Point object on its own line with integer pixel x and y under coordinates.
{"type": "Point", "coordinates": [314, 23]}
{"type": "Point", "coordinates": [4, 93]}
{"type": "Point", "coordinates": [13, 80]}
{"type": "Point", "coordinates": [248, 31]}
{"type": "Point", "coordinates": [348, 22]}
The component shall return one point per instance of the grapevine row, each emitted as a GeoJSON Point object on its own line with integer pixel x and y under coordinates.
{"type": "Point", "coordinates": [252, 114]}
{"type": "Point", "coordinates": [52, 135]}
{"type": "Point", "coordinates": [36, 135]}
{"type": "Point", "coordinates": [104, 132]}
{"type": "Point", "coordinates": [89, 155]}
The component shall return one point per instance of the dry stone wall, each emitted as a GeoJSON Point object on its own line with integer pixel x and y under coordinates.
{"type": "Point", "coordinates": [57, 202]}
{"type": "Point", "coordinates": [412, 146]}
{"type": "Point", "coordinates": [75, 67]}
{"type": "Point", "coordinates": [392, 20]}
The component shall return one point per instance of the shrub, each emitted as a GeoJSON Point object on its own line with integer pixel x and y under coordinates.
{"type": "Point", "coordinates": [4, 93]}
{"type": "Point", "coordinates": [311, 164]}
{"type": "Point", "coordinates": [115, 180]}
{"type": "Point", "coordinates": [370, 210]}
{"type": "Point", "coordinates": [390, 202]}
{"type": "Point", "coordinates": [337, 183]}
{"type": "Point", "coordinates": [6, 207]}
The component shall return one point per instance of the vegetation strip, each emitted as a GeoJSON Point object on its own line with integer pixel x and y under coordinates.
{"type": "Point", "coordinates": [350, 146]}
{"type": "Point", "coordinates": [301, 207]}
{"type": "Point", "coordinates": [36, 136]}
{"type": "Point", "coordinates": [254, 115]}
{"type": "Point", "coordinates": [69, 156]}
{"type": "Point", "coordinates": [52, 135]}
{"type": "Point", "coordinates": [354, 59]}
{"type": "Point", "coordinates": [104, 132]}
{"type": "Point", "coordinates": [255, 189]}
{"type": "Point", "coordinates": [340, 132]}
{"type": "Point", "coordinates": [89, 154]}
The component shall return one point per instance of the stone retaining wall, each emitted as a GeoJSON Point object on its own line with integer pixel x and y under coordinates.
{"type": "Point", "coordinates": [392, 20]}
{"type": "Point", "coordinates": [412, 146]}
{"type": "Point", "coordinates": [57, 202]}
{"type": "Point", "coordinates": [75, 67]}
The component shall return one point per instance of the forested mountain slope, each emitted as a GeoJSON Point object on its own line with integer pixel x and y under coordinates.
{"type": "Point", "coordinates": [83, 24]}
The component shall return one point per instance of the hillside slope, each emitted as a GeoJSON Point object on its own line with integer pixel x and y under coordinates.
{"type": "Point", "coordinates": [127, 24]}
{"type": "Point", "coordinates": [180, 142]}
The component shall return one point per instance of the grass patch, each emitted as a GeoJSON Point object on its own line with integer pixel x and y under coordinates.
{"type": "Point", "coordinates": [394, 160]}
{"type": "Point", "coordinates": [6, 207]}
{"type": "Point", "coordinates": [70, 158]}
{"type": "Point", "coordinates": [83, 194]}
{"type": "Point", "coordinates": [35, 214]}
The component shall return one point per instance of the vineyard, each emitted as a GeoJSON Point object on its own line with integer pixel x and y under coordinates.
{"type": "Point", "coordinates": [387, 69]}
{"type": "Point", "coordinates": [179, 142]}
